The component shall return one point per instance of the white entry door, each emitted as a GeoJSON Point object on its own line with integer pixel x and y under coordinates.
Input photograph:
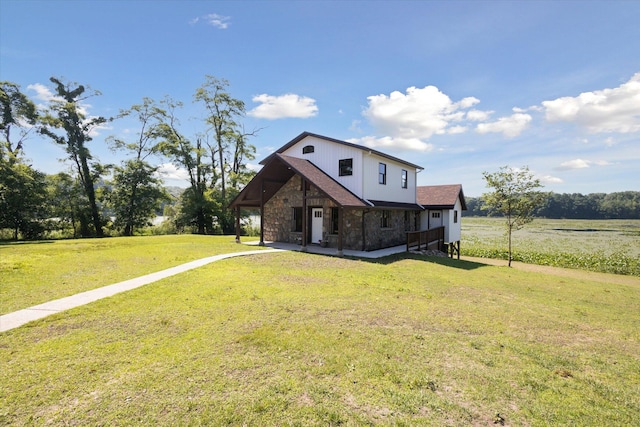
{"type": "Point", "coordinates": [316, 225]}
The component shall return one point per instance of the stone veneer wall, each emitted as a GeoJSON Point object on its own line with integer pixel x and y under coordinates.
{"type": "Point", "coordinates": [279, 223]}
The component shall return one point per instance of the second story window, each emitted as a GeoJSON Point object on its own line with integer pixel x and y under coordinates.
{"type": "Point", "coordinates": [404, 179]}
{"type": "Point", "coordinates": [345, 167]}
{"type": "Point", "coordinates": [308, 149]}
{"type": "Point", "coordinates": [382, 173]}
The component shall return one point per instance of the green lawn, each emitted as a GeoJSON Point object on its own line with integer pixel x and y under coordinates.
{"type": "Point", "coordinates": [36, 272]}
{"type": "Point", "coordinates": [301, 339]}
{"type": "Point", "coordinates": [609, 246]}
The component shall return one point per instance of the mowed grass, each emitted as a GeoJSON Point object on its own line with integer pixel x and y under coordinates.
{"type": "Point", "coordinates": [608, 246]}
{"type": "Point", "coordinates": [306, 340]}
{"type": "Point", "coordinates": [35, 272]}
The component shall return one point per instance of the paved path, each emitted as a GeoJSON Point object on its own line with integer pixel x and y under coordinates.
{"type": "Point", "coordinates": [18, 318]}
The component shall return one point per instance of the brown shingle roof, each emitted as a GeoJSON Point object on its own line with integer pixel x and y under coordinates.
{"type": "Point", "coordinates": [279, 169]}
{"type": "Point", "coordinates": [440, 196]}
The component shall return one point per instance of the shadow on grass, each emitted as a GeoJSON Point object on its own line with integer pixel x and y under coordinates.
{"type": "Point", "coordinates": [449, 262]}
{"type": "Point", "coordinates": [7, 243]}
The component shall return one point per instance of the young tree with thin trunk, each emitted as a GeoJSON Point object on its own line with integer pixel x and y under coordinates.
{"type": "Point", "coordinates": [66, 113]}
{"type": "Point", "coordinates": [137, 192]}
{"type": "Point", "coordinates": [515, 196]}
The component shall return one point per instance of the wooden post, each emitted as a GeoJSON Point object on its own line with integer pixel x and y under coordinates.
{"type": "Point", "coordinates": [340, 230]}
{"type": "Point", "coordinates": [237, 224]}
{"type": "Point", "coordinates": [304, 215]}
{"type": "Point", "coordinates": [261, 213]}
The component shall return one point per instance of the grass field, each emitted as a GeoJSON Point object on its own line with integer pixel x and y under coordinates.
{"type": "Point", "coordinates": [610, 246]}
{"type": "Point", "coordinates": [300, 339]}
{"type": "Point", "coordinates": [33, 273]}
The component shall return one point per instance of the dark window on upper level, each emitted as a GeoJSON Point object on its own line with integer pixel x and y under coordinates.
{"type": "Point", "coordinates": [308, 149]}
{"type": "Point", "coordinates": [404, 179]}
{"type": "Point", "coordinates": [345, 167]}
{"type": "Point", "coordinates": [382, 173]}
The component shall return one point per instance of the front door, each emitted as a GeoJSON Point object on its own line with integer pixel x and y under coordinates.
{"type": "Point", "coordinates": [316, 225]}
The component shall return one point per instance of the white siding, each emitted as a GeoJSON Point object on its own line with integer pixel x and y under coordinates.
{"type": "Point", "coordinates": [392, 191]}
{"type": "Point", "coordinates": [453, 231]}
{"type": "Point", "coordinates": [326, 156]}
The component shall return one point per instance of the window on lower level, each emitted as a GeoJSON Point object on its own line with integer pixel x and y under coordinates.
{"type": "Point", "coordinates": [297, 219]}
{"type": "Point", "coordinates": [455, 217]}
{"type": "Point", "coordinates": [335, 221]}
{"type": "Point", "coordinates": [385, 219]}
{"type": "Point", "coordinates": [435, 214]}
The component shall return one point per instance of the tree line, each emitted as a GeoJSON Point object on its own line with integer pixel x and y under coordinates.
{"type": "Point", "coordinates": [91, 198]}
{"type": "Point", "coordinates": [618, 205]}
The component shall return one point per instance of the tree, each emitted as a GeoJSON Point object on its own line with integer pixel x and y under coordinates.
{"type": "Point", "coordinates": [22, 199]}
{"type": "Point", "coordinates": [515, 196]}
{"type": "Point", "coordinates": [229, 148]}
{"type": "Point", "coordinates": [137, 193]}
{"type": "Point", "coordinates": [17, 112]}
{"type": "Point", "coordinates": [197, 207]}
{"type": "Point", "coordinates": [66, 113]}
{"type": "Point", "coordinates": [68, 204]}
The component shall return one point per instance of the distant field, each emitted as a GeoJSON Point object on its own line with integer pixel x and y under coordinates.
{"type": "Point", "coordinates": [610, 246]}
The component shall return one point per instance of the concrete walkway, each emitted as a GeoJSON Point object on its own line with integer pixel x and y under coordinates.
{"type": "Point", "coordinates": [18, 318]}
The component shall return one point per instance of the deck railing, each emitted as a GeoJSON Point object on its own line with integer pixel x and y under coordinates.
{"type": "Point", "coordinates": [426, 239]}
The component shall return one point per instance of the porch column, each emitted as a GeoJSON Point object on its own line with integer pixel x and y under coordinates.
{"type": "Point", "coordinates": [340, 230]}
{"type": "Point", "coordinates": [237, 224]}
{"type": "Point", "coordinates": [261, 213]}
{"type": "Point", "coordinates": [304, 215]}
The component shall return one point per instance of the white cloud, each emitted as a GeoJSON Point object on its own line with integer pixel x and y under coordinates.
{"type": "Point", "coordinates": [606, 110]}
{"type": "Point", "coordinates": [393, 144]}
{"type": "Point", "coordinates": [478, 116]}
{"type": "Point", "coordinates": [43, 93]}
{"type": "Point", "coordinates": [284, 106]}
{"type": "Point", "coordinates": [575, 164]}
{"type": "Point", "coordinates": [581, 164]}
{"type": "Point", "coordinates": [213, 19]}
{"type": "Point", "coordinates": [548, 179]}
{"type": "Point", "coordinates": [170, 171]}
{"type": "Point", "coordinates": [510, 126]}
{"type": "Point", "coordinates": [610, 142]}
{"type": "Point", "coordinates": [418, 113]}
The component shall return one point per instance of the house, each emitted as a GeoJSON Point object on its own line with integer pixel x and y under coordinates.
{"type": "Point", "coordinates": [443, 206]}
{"type": "Point", "coordinates": [320, 190]}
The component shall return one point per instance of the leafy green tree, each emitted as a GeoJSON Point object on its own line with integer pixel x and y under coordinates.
{"type": "Point", "coordinates": [197, 206]}
{"type": "Point", "coordinates": [229, 148]}
{"type": "Point", "coordinates": [66, 114]}
{"type": "Point", "coordinates": [137, 193]}
{"type": "Point", "coordinates": [515, 195]}
{"type": "Point", "coordinates": [22, 199]}
{"type": "Point", "coordinates": [18, 113]}
{"type": "Point", "coordinates": [68, 204]}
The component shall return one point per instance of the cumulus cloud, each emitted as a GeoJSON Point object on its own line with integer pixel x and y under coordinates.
{"type": "Point", "coordinates": [418, 113]}
{"type": "Point", "coordinates": [392, 144]}
{"type": "Point", "coordinates": [606, 110]}
{"type": "Point", "coordinates": [548, 179]}
{"type": "Point", "coordinates": [213, 19]}
{"type": "Point", "coordinates": [284, 106]}
{"type": "Point", "coordinates": [170, 171]}
{"type": "Point", "coordinates": [43, 93]}
{"type": "Point", "coordinates": [478, 116]}
{"type": "Point", "coordinates": [581, 164]}
{"type": "Point", "coordinates": [510, 126]}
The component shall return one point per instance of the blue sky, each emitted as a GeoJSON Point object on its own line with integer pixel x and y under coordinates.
{"type": "Point", "coordinates": [454, 86]}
